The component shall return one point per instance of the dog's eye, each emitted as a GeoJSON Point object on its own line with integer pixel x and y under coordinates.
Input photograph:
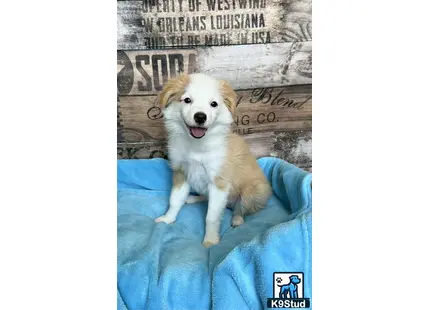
{"type": "Point", "coordinates": [187, 100]}
{"type": "Point", "coordinates": [214, 104]}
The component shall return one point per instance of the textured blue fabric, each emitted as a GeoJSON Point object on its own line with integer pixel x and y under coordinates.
{"type": "Point", "coordinates": [164, 266]}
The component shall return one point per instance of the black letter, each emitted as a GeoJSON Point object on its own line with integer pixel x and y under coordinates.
{"type": "Point", "coordinates": [172, 64]}
{"type": "Point", "coordinates": [258, 118]}
{"type": "Point", "coordinates": [146, 77]}
{"type": "Point", "coordinates": [155, 72]}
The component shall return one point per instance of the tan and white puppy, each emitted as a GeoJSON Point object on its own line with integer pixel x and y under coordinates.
{"type": "Point", "coordinates": [206, 156]}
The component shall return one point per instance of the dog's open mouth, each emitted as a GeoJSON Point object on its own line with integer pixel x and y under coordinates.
{"type": "Point", "coordinates": [197, 132]}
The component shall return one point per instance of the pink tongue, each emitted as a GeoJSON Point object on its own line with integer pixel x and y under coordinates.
{"type": "Point", "coordinates": [197, 132]}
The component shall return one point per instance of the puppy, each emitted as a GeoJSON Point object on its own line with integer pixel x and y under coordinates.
{"type": "Point", "coordinates": [206, 156]}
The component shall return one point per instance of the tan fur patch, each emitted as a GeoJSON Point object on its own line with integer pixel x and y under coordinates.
{"type": "Point", "coordinates": [229, 95]}
{"type": "Point", "coordinates": [178, 178]}
{"type": "Point", "coordinates": [173, 90]}
{"type": "Point", "coordinates": [220, 183]}
{"type": "Point", "coordinates": [244, 177]}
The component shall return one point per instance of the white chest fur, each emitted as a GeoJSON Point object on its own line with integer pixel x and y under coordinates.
{"type": "Point", "coordinates": [200, 165]}
{"type": "Point", "coordinates": [196, 175]}
{"type": "Point", "coordinates": [201, 170]}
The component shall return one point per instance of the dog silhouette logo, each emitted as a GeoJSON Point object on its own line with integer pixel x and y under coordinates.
{"type": "Point", "coordinates": [288, 291]}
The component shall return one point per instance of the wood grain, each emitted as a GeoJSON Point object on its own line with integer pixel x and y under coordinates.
{"type": "Point", "coordinates": [292, 146]}
{"type": "Point", "coordinates": [245, 67]}
{"type": "Point", "coordinates": [119, 130]}
{"type": "Point", "coordinates": [265, 65]}
{"type": "Point", "coordinates": [142, 150]}
{"type": "Point", "coordinates": [258, 110]}
{"type": "Point", "coordinates": [161, 24]}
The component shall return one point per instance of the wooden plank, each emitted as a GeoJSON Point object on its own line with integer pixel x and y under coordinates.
{"type": "Point", "coordinates": [161, 24]}
{"type": "Point", "coordinates": [142, 150]}
{"type": "Point", "coordinates": [294, 147]}
{"type": "Point", "coordinates": [266, 65]}
{"type": "Point", "coordinates": [244, 66]}
{"type": "Point", "coordinates": [145, 72]}
{"type": "Point", "coordinates": [258, 110]}
{"type": "Point", "coordinates": [119, 136]}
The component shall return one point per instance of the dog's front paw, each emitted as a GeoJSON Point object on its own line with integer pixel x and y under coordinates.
{"type": "Point", "coordinates": [210, 241]}
{"type": "Point", "coordinates": [165, 219]}
{"type": "Point", "coordinates": [208, 244]}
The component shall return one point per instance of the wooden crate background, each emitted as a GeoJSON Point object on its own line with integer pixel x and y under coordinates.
{"type": "Point", "coordinates": [262, 47]}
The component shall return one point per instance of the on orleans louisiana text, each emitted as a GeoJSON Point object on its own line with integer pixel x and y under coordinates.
{"type": "Point", "coordinates": [218, 26]}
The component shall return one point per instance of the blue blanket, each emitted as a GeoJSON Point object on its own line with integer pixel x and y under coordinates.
{"type": "Point", "coordinates": [164, 266]}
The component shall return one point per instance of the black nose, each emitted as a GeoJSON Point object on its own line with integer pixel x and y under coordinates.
{"type": "Point", "coordinates": [200, 118]}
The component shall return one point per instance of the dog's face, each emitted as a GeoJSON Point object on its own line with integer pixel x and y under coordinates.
{"type": "Point", "coordinates": [295, 279]}
{"type": "Point", "coordinates": [197, 104]}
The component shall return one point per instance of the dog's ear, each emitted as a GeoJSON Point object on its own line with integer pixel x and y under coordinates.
{"type": "Point", "coordinates": [229, 95]}
{"type": "Point", "coordinates": [173, 90]}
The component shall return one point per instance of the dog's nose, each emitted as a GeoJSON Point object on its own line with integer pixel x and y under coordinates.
{"type": "Point", "coordinates": [200, 118]}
